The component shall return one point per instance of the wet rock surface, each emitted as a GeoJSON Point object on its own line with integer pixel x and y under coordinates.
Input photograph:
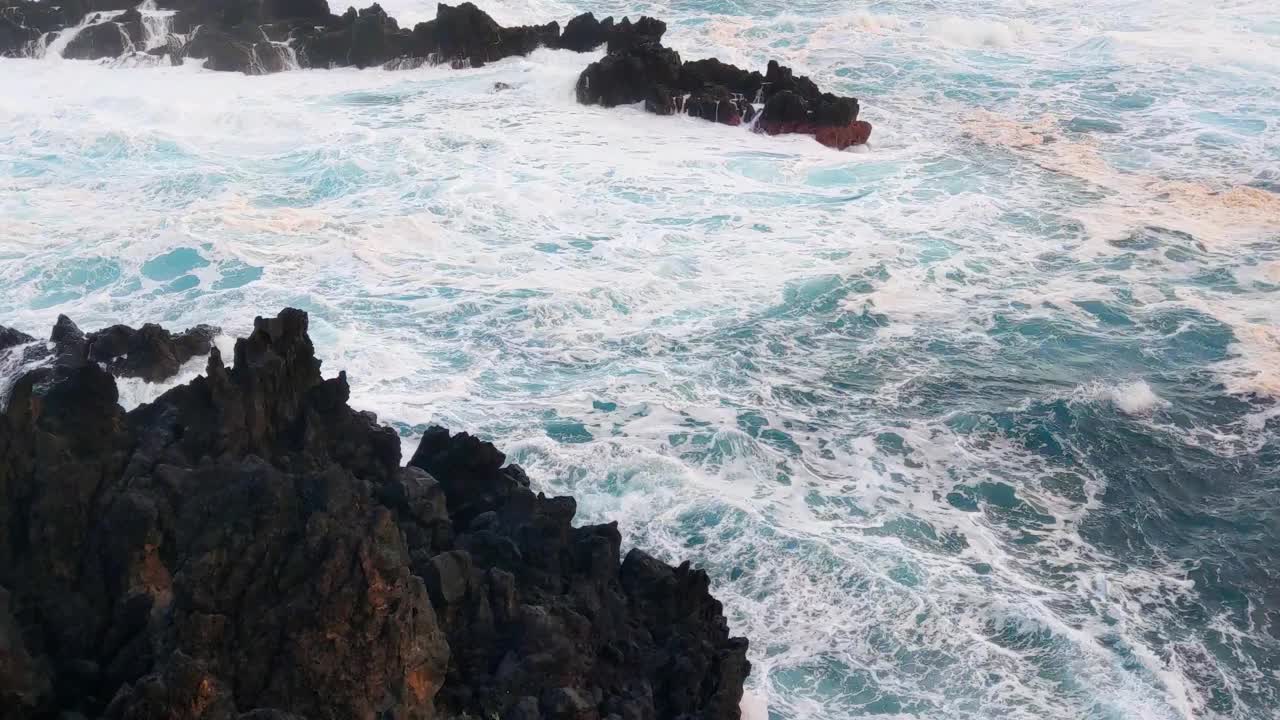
{"type": "Point", "coordinates": [638, 68]}
{"type": "Point", "coordinates": [249, 546]}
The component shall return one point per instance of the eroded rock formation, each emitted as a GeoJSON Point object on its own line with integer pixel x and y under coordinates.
{"type": "Point", "coordinates": [265, 36]}
{"type": "Point", "coordinates": [249, 546]}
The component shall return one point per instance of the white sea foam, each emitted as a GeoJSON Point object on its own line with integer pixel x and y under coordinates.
{"type": "Point", "coordinates": [755, 706]}
{"type": "Point", "coordinates": [975, 32]}
{"type": "Point", "coordinates": [1136, 398]}
{"type": "Point", "coordinates": [1132, 398]}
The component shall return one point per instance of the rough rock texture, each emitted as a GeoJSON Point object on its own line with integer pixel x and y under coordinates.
{"type": "Point", "coordinates": [151, 352]}
{"type": "Point", "coordinates": [585, 33]}
{"type": "Point", "coordinates": [626, 36]}
{"type": "Point", "coordinates": [717, 104]}
{"type": "Point", "coordinates": [627, 77]}
{"type": "Point", "coordinates": [248, 546]}
{"type": "Point", "coordinates": [15, 37]}
{"type": "Point", "coordinates": [638, 68]}
{"type": "Point", "coordinates": [10, 338]}
{"type": "Point", "coordinates": [103, 40]}
{"type": "Point", "coordinates": [22, 22]}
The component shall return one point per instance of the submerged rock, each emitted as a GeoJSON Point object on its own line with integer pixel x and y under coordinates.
{"type": "Point", "coordinates": [249, 546]}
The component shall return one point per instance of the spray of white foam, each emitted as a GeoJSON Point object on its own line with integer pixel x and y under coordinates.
{"type": "Point", "coordinates": [1131, 398]}
{"type": "Point", "coordinates": [973, 32]}
{"type": "Point", "coordinates": [54, 48]}
{"type": "Point", "coordinates": [136, 391]}
{"type": "Point", "coordinates": [157, 25]}
{"type": "Point", "coordinates": [14, 363]}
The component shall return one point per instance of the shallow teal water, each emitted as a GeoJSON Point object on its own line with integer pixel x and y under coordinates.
{"type": "Point", "coordinates": [978, 422]}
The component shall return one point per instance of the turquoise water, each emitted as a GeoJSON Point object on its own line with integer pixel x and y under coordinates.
{"type": "Point", "coordinates": [977, 422]}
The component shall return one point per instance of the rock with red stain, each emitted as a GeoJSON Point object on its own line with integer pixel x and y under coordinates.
{"type": "Point", "coordinates": [830, 119]}
{"type": "Point", "coordinates": [840, 138]}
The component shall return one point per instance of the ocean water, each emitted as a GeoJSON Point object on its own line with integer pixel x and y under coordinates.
{"type": "Point", "coordinates": [979, 421]}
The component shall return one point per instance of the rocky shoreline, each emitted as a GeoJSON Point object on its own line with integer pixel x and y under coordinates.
{"type": "Point", "coordinates": [249, 546]}
{"type": "Point", "coordinates": [267, 36]}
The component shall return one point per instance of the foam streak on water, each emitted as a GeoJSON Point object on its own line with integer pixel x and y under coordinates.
{"type": "Point", "coordinates": [978, 422]}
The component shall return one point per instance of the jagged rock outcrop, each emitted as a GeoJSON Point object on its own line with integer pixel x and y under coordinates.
{"type": "Point", "coordinates": [151, 352]}
{"type": "Point", "coordinates": [15, 37]}
{"type": "Point", "coordinates": [585, 33]}
{"type": "Point", "coordinates": [638, 68]}
{"type": "Point", "coordinates": [102, 40]}
{"type": "Point", "coordinates": [11, 338]}
{"type": "Point", "coordinates": [264, 36]}
{"type": "Point", "coordinates": [248, 546]}
{"type": "Point", "coordinates": [622, 78]}
{"type": "Point", "coordinates": [22, 22]}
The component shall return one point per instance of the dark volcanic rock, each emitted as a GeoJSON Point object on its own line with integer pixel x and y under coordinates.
{"type": "Point", "coordinates": [263, 36]}
{"type": "Point", "coordinates": [223, 51]}
{"type": "Point", "coordinates": [12, 338]}
{"type": "Point", "coordinates": [290, 9]}
{"type": "Point", "coordinates": [661, 101]}
{"type": "Point", "coordinates": [584, 33]}
{"type": "Point", "coordinates": [249, 547]}
{"type": "Point", "coordinates": [103, 40]}
{"type": "Point", "coordinates": [324, 48]}
{"type": "Point", "coordinates": [151, 353]}
{"type": "Point", "coordinates": [246, 48]}
{"type": "Point", "coordinates": [525, 39]}
{"type": "Point", "coordinates": [840, 137]}
{"type": "Point", "coordinates": [374, 38]}
{"type": "Point", "coordinates": [628, 77]}
{"type": "Point", "coordinates": [38, 17]}
{"type": "Point", "coordinates": [15, 37]}
{"type": "Point", "coordinates": [781, 79]}
{"type": "Point", "coordinates": [830, 119]}
{"type": "Point", "coordinates": [638, 68]}
{"type": "Point", "coordinates": [784, 109]}
{"type": "Point", "coordinates": [23, 682]}
{"type": "Point", "coordinates": [697, 74]}
{"type": "Point", "coordinates": [130, 21]}
{"type": "Point", "coordinates": [626, 36]}
{"type": "Point", "coordinates": [466, 35]}
{"type": "Point", "coordinates": [717, 104]}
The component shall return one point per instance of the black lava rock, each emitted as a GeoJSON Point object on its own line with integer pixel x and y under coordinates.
{"type": "Point", "coordinates": [248, 547]}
